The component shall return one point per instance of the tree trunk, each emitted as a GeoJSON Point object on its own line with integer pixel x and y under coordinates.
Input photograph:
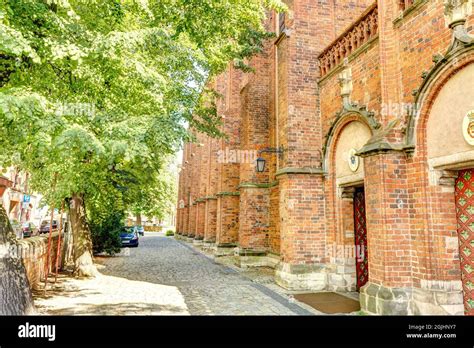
{"type": "Point", "coordinates": [82, 240]}
{"type": "Point", "coordinates": [15, 292]}
{"type": "Point", "coordinates": [138, 220]}
{"type": "Point", "coordinates": [67, 249]}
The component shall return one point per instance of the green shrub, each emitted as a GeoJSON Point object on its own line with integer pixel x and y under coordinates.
{"type": "Point", "coordinates": [169, 233]}
{"type": "Point", "coordinates": [106, 233]}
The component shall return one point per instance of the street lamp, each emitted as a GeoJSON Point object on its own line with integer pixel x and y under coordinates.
{"type": "Point", "coordinates": [261, 161]}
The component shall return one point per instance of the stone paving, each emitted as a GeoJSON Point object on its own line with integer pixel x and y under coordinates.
{"type": "Point", "coordinates": [107, 295]}
{"type": "Point", "coordinates": [166, 276]}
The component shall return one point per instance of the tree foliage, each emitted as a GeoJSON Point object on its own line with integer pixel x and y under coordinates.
{"type": "Point", "coordinates": [93, 94]}
{"type": "Point", "coordinates": [105, 230]}
{"type": "Point", "coordinates": [155, 196]}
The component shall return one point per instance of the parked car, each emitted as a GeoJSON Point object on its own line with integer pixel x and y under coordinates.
{"type": "Point", "coordinates": [29, 229]}
{"type": "Point", "coordinates": [129, 237]}
{"type": "Point", "coordinates": [44, 228]}
{"type": "Point", "coordinates": [140, 230]}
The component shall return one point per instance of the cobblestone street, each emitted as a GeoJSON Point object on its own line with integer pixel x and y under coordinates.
{"type": "Point", "coordinates": [166, 276]}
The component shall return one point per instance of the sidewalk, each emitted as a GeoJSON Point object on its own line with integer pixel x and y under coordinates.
{"type": "Point", "coordinates": [107, 295]}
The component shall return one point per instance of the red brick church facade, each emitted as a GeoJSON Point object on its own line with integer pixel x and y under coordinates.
{"type": "Point", "coordinates": [364, 114]}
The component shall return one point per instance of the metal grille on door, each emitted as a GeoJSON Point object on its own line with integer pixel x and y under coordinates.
{"type": "Point", "coordinates": [360, 229]}
{"type": "Point", "coordinates": [465, 216]}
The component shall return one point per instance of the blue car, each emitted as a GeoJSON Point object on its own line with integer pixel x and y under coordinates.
{"type": "Point", "coordinates": [129, 237]}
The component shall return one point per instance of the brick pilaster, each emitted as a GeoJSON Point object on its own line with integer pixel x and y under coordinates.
{"type": "Point", "coordinates": [211, 200]}
{"type": "Point", "coordinates": [254, 187]}
{"type": "Point", "coordinates": [228, 199]}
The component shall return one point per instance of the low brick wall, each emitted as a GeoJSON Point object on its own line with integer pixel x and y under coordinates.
{"type": "Point", "coordinates": [153, 228]}
{"type": "Point", "coordinates": [33, 251]}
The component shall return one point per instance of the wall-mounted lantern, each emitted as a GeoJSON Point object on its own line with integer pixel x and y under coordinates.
{"type": "Point", "coordinates": [260, 165]}
{"type": "Point", "coordinates": [261, 161]}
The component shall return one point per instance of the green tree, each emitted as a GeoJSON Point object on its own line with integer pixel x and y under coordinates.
{"type": "Point", "coordinates": [155, 196]}
{"type": "Point", "coordinates": [90, 90]}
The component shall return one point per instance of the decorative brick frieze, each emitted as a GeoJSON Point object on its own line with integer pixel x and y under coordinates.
{"type": "Point", "coordinates": [364, 29]}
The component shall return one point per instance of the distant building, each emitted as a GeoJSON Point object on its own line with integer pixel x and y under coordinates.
{"type": "Point", "coordinates": [19, 202]}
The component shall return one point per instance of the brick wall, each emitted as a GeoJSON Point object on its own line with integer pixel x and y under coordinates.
{"type": "Point", "coordinates": [212, 190]}
{"type": "Point", "coordinates": [365, 71]}
{"type": "Point", "coordinates": [255, 115]}
{"type": "Point", "coordinates": [193, 189]}
{"type": "Point", "coordinates": [295, 209]}
{"type": "Point", "coordinates": [228, 179]}
{"type": "Point", "coordinates": [34, 251]}
{"type": "Point", "coordinates": [421, 231]}
{"type": "Point", "coordinates": [186, 173]}
{"type": "Point", "coordinates": [302, 204]}
{"type": "Point", "coordinates": [407, 220]}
